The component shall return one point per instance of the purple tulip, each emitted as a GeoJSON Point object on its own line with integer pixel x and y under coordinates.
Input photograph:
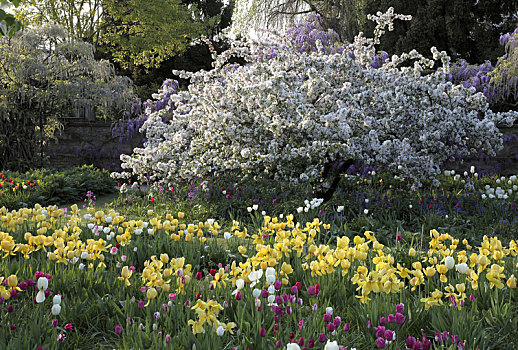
{"type": "Point", "coordinates": [410, 341]}
{"type": "Point", "coordinates": [400, 308]}
{"type": "Point", "coordinates": [322, 337]}
{"type": "Point", "coordinates": [400, 318]}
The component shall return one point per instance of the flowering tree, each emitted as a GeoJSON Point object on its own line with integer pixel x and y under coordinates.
{"type": "Point", "coordinates": [46, 77]}
{"type": "Point", "coordinates": [505, 75]}
{"type": "Point", "coordinates": [297, 117]}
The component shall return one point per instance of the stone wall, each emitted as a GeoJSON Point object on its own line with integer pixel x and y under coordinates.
{"type": "Point", "coordinates": [89, 142]}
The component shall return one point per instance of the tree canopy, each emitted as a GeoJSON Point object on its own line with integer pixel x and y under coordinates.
{"type": "Point", "coordinates": [132, 33]}
{"type": "Point", "coordinates": [464, 29]}
{"type": "Point", "coordinates": [147, 33]}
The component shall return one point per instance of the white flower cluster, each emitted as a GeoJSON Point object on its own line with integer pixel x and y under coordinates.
{"type": "Point", "coordinates": [295, 115]}
{"type": "Point", "coordinates": [314, 203]}
{"type": "Point", "coordinates": [498, 192]}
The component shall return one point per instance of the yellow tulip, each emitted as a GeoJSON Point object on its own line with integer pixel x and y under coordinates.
{"type": "Point", "coordinates": [125, 275]}
{"type": "Point", "coordinates": [429, 271]}
{"type": "Point", "coordinates": [12, 281]}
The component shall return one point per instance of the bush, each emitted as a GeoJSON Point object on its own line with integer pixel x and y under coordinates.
{"type": "Point", "coordinates": [48, 186]}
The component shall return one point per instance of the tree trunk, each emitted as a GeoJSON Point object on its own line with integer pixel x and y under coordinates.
{"type": "Point", "coordinates": [331, 170]}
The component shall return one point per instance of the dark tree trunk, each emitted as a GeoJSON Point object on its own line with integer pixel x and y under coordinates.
{"type": "Point", "coordinates": [331, 170]}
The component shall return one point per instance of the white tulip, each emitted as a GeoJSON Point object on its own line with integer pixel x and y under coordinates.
{"type": "Point", "coordinates": [449, 262]}
{"type": "Point", "coordinates": [270, 271]}
{"type": "Point", "coordinates": [270, 279]}
{"type": "Point", "coordinates": [331, 345]}
{"type": "Point", "coordinates": [462, 268]}
{"type": "Point", "coordinates": [43, 284]}
{"type": "Point", "coordinates": [56, 309]}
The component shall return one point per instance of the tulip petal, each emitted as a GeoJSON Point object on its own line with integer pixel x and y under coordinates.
{"type": "Point", "coordinates": [40, 297]}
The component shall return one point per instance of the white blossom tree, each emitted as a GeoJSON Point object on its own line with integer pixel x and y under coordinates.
{"type": "Point", "coordinates": [307, 117]}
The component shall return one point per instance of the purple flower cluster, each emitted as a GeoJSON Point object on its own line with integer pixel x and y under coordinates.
{"type": "Point", "coordinates": [507, 38]}
{"type": "Point", "coordinates": [125, 129]}
{"type": "Point", "coordinates": [477, 76]}
{"type": "Point", "coordinates": [305, 35]}
{"type": "Point", "coordinates": [384, 335]}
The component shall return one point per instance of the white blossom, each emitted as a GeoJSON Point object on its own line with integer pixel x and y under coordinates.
{"type": "Point", "coordinates": [293, 115]}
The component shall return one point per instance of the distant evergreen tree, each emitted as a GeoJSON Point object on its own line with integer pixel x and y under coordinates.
{"type": "Point", "coordinates": [463, 28]}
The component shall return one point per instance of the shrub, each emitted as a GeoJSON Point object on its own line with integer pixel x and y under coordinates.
{"type": "Point", "coordinates": [48, 186]}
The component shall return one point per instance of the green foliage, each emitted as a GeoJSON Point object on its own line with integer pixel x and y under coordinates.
{"type": "Point", "coordinates": [88, 21]}
{"type": "Point", "coordinates": [9, 25]}
{"type": "Point", "coordinates": [81, 19]}
{"type": "Point", "coordinates": [48, 186]}
{"type": "Point", "coordinates": [144, 34]}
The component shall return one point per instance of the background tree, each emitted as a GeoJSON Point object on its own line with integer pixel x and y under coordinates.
{"type": "Point", "coordinates": [194, 56]}
{"type": "Point", "coordinates": [464, 29]}
{"type": "Point", "coordinates": [505, 76]}
{"type": "Point", "coordinates": [81, 19]}
{"type": "Point", "coordinates": [346, 17]}
{"type": "Point", "coordinates": [144, 40]}
{"type": "Point", "coordinates": [45, 77]}
{"type": "Point", "coordinates": [147, 35]}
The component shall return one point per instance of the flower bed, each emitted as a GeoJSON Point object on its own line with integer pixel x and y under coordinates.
{"type": "Point", "coordinates": [161, 281]}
